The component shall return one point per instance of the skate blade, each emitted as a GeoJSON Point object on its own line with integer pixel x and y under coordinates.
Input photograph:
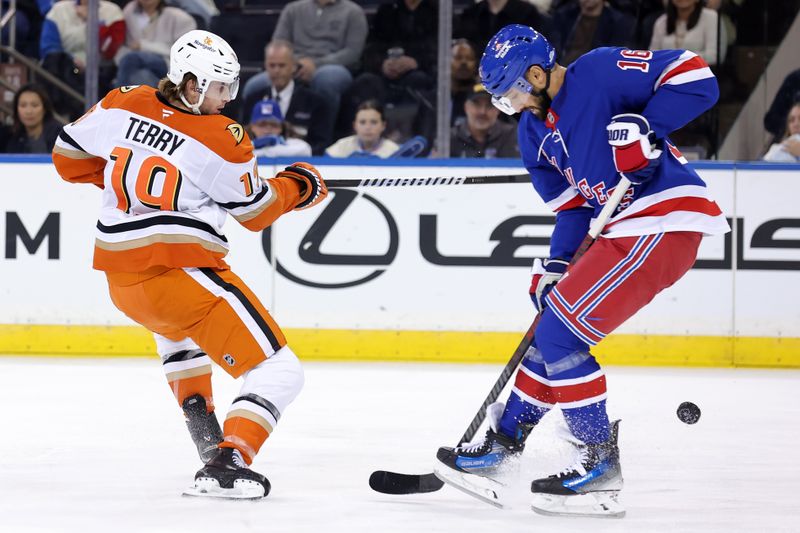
{"type": "Point", "coordinates": [599, 504]}
{"type": "Point", "coordinates": [483, 488]}
{"type": "Point", "coordinates": [243, 489]}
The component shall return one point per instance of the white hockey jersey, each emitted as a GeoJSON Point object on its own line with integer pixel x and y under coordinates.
{"type": "Point", "coordinates": [169, 179]}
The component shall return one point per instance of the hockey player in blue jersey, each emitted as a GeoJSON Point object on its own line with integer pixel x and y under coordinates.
{"type": "Point", "coordinates": [609, 112]}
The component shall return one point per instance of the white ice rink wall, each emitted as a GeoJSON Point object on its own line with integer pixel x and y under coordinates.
{"type": "Point", "coordinates": [425, 273]}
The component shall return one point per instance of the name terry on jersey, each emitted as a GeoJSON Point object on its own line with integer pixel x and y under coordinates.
{"type": "Point", "coordinates": [153, 135]}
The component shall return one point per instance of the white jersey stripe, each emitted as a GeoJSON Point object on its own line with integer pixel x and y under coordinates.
{"type": "Point", "coordinates": [582, 403]}
{"type": "Point", "coordinates": [244, 405]}
{"type": "Point", "coordinates": [675, 221]}
{"type": "Point", "coordinates": [690, 76]}
{"type": "Point", "coordinates": [534, 376]}
{"type": "Point", "coordinates": [561, 382]}
{"type": "Point", "coordinates": [565, 197]}
{"type": "Point", "coordinates": [684, 57]}
{"type": "Point", "coordinates": [577, 381]}
{"type": "Point", "coordinates": [531, 400]}
{"type": "Point", "coordinates": [179, 366]}
{"type": "Point", "coordinates": [238, 306]}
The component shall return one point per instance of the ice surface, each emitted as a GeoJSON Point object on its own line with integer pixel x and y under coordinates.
{"type": "Point", "coordinates": [96, 445]}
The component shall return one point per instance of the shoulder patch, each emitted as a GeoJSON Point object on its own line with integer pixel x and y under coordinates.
{"type": "Point", "coordinates": [127, 88]}
{"type": "Point", "coordinates": [237, 131]}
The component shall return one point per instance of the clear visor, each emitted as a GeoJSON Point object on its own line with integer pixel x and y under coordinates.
{"type": "Point", "coordinates": [515, 99]}
{"type": "Point", "coordinates": [220, 90]}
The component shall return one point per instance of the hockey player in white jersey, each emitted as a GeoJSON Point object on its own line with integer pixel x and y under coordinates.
{"type": "Point", "coordinates": [171, 168]}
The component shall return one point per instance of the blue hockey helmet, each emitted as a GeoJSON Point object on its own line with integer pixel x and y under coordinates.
{"type": "Point", "coordinates": [509, 55]}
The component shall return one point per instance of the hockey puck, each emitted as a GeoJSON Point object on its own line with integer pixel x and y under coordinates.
{"type": "Point", "coordinates": [688, 413]}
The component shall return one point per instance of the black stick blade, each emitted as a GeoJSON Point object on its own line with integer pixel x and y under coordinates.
{"type": "Point", "coordinates": [394, 483]}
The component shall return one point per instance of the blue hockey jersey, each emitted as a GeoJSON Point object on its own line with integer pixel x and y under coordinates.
{"type": "Point", "coordinates": [571, 163]}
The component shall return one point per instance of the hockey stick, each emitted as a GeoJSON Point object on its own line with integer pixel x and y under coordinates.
{"type": "Point", "coordinates": [397, 483]}
{"type": "Point", "coordinates": [423, 181]}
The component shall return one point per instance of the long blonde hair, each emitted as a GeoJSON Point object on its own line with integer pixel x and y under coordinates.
{"type": "Point", "coordinates": [171, 91]}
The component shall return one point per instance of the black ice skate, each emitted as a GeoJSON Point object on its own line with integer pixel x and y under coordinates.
{"type": "Point", "coordinates": [226, 476]}
{"type": "Point", "coordinates": [589, 488]}
{"type": "Point", "coordinates": [478, 468]}
{"type": "Point", "coordinates": [203, 426]}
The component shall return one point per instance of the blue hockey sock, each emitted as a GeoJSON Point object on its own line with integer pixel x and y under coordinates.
{"type": "Point", "coordinates": [589, 423]}
{"type": "Point", "coordinates": [518, 410]}
{"type": "Point", "coordinates": [569, 367]}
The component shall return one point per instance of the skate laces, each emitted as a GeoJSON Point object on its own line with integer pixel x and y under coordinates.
{"type": "Point", "coordinates": [472, 447]}
{"type": "Point", "coordinates": [578, 465]}
{"type": "Point", "coordinates": [238, 460]}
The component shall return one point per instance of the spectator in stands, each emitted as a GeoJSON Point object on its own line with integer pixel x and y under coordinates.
{"type": "Point", "coordinates": [482, 134]}
{"type": "Point", "coordinates": [788, 94]}
{"type": "Point", "coordinates": [586, 24]}
{"type": "Point", "coordinates": [151, 27]}
{"type": "Point", "coordinates": [788, 150]}
{"type": "Point", "coordinates": [690, 26]}
{"type": "Point", "coordinates": [479, 22]}
{"type": "Point", "coordinates": [368, 140]}
{"type": "Point", "coordinates": [62, 47]}
{"type": "Point", "coordinates": [328, 38]}
{"type": "Point", "coordinates": [399, 64]}
{"type": "Point", "coordinates": [463, 77]}
{"type": "Point", "coordinates": [302, 107]}
{"type": "Point", "coordinates": [271, 135]}
{"type": "Point", "coordinates": [34, 130]}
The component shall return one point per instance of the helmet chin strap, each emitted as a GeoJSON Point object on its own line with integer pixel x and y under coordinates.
{"type": "Point", "coordinates": [195, 108]}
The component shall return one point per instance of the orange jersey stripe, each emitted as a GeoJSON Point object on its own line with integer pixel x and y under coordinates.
{"type": "Point", "coordinates": [183, 388]}
{"type": "Point", "coordinates": [286, 195]}
{"type": "Point", "coordinates": [79, 167]}
{"type": "Point", "coordinates": [246, 435]}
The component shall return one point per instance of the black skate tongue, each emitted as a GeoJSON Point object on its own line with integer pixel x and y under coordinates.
{"type": "Point", "coordinates": [394, 483]}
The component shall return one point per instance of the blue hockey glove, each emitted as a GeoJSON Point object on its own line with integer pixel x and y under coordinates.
{"type": "Point", "coordinates": [634, 147]}
{"type": "Point", "coordinates": [545, 275]}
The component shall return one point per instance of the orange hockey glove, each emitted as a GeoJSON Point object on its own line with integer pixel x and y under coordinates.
{"type": "Point", "coordinates": [312, 187]}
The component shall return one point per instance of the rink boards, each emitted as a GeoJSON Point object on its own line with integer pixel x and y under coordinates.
{"type": "Point", "coordinates": [433, 273]}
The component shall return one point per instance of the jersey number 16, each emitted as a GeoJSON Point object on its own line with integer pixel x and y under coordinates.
{"type": "Point", "coordinates": [630, 63]}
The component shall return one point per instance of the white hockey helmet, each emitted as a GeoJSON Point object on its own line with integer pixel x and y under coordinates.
{"type": "Point", "coordinates": [210, 59]}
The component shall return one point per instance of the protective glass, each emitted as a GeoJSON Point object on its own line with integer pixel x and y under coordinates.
{"type": "Point", "coordinates": [222, 90]}
{"type": "Point", "coordinates": [513, 100]}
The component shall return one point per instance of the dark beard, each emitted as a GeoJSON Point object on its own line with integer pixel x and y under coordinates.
{"type": "Point", "coordinates": [543, 105]}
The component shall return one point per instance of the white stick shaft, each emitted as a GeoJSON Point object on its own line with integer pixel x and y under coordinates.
{"type": "Point", "coordinates": [611, 205]}
{"type": "Point", "coordinates": [425, 181]}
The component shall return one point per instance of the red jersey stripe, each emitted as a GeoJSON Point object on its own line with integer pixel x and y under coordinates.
{"type": "Point", "coordinates": [577, 201]}
{"type": "Point", "coordinates": [694, 63]}
{"type": "Point", "coordinates": [533, 388]}
{"type": "Point", "coordinates": [690, 203]}
{"type": "Point", "coordinates": [580, 391]}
